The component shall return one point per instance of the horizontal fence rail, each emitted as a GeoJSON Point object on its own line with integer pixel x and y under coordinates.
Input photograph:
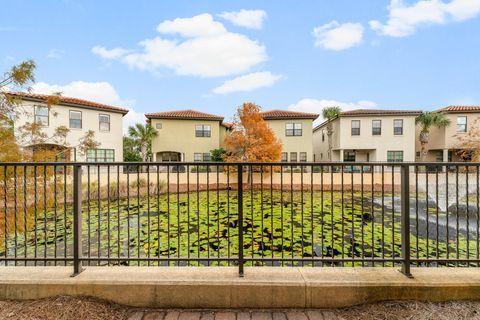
{"type": "Point", "coordinates": [240, 214]}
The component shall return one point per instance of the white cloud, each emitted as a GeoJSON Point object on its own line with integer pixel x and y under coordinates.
{"type": "Point", "coordinates": [131, 118]}
{"type": "Point", "coordinates": [316, 106]}
{"type": "Point", "coordinates": [404, 19]}
{"type": "Point", "coordinates": [102, 92]}
{"type": "Point", "coordinates": [55, 54]}
{"type": "Point", "coordinates": [248, 82]}
{"type": "Point", "coordinates": [207, 50]}
{"type": "Point", "coordinates": [252, 19]}
{"type": "Point", "coordinates": [336, 36]}
{"type": "Point", "coordinates": [114, 53]}
{"type": "Point", "coordinates": [198, 26]}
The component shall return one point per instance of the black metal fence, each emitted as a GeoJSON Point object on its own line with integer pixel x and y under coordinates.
{"type": "Point", "coordinates": [240, 214]}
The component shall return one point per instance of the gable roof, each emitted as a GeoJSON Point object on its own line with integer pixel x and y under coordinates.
{"type": "Point", "coordinates": [286, 114]}
{"type": "Point", "coordinates": [184, 115]}
{"type": "Point", "coordinates": [379, 112]}
{"type": "Point", "coordinates": [67, 101]}
{"type": "Point", "coordinates": [452, 109]}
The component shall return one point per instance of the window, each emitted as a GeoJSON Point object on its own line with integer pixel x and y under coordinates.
{"type": "Point", "coordinates": [104, 122]}
{"type": "Point", "coordinates": [41, 115]}
{"type": "Point", "coordinates": [202, 130]}
{"type": "Point", "coordinates": [284, 157]}
{"type": "Point", "coordinates": [355, 127]}
{"type": "Point", "coordinates": [376, 127]}
{"type": "Point", "coordinates": [397, 127]}
{"type": "Point", "coordinates": [158, 125]}
{"type": "Point", "coordinates": [394, 156]}
{"type": "Point", "coordinates": [199, 157]}
{"type": "Point", "coordinates": [323, 135]}
{"type": "Point", "coordinates": [293, 157]}
{"type": "Point", "coordinates": [349, 156]}
{"type": "Point", "coordinates": [462, 124]}
{"type": "Point", "coordinates": [75, 119]}
{"type": "Point", "coordinates": [303, 157]}
{"type": "Point", "coordinates": [293, 129]}
{"type": "Point", "coordinates": [100, 155]}
{"type": "Point", "coordinates": [439, 156]}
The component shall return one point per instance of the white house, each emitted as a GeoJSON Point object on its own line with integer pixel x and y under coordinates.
{"type": "Point", "coordinates": [79, 116]}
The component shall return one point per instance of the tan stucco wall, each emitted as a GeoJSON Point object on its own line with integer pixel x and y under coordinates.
{"type": "Point", "coordinates": [303, 143]}
{"type": "Point", "coordinates": [59, 116]}
{"type": "Point", "coordinates": [448, 138]}
{"type": "Point", "coordinates": [179, 136]}
{"type": "Point", "coordinates": [377, 145]}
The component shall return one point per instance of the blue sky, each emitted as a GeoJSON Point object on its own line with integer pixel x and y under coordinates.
{"type": "Point", "coordinates": [215, 55]}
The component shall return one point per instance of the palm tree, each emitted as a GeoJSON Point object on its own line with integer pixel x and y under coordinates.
{"type": "Point", "coordinates": [143, 135]}
{"type": "Point", "coordinates": [330, 113]}
{"type": "Point", "coordinates": [427, 120]}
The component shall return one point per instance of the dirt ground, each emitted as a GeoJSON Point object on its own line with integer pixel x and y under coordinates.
{"type": "Point", "coordinates": [88, 308]}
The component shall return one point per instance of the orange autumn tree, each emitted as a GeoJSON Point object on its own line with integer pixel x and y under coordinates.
{"type": "Point", "coordinates": [251, 139]}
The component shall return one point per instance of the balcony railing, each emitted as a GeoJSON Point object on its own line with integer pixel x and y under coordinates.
{"type": "Point", "coordinates": [240, 214]}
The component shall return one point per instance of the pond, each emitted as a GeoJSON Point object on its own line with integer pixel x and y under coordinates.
{"type": "Point", "coordinates": [288, 224]}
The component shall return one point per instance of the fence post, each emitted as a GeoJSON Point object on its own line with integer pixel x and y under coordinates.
{"type": "Point", "coordinates": [77, 219]}
{"type": "Point", "coordinates": [240, 218]}
{"type": "Point", "coordinates": [405, 218]}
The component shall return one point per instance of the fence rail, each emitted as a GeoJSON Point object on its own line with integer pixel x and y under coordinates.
{"type": "Point", "coordinates": [242, 214]}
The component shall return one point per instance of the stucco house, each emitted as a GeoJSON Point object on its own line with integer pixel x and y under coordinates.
{"type": "Point", "coordinates": [186, 135]}
{"type": "Point", "coordinates": [79, 116]}
{"type": "Point", "coordinates": [294, 130]}
{"type": "Point", "coordinates": [190, 135]}
{"type": "Point", "coordinates": [445, 143]}
{"type": "Point", "coordinates": [365, 135]}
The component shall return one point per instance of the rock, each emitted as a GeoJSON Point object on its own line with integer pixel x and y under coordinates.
{"type": "Point", "coordinates": [463, 210]}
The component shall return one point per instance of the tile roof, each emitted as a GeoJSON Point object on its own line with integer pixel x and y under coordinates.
{"type": "Point", "coordinates": [366, 112]}
{"type": "Point", "coordinates": [184, 115]}
{"type": "Point", "coordinates": [459, 109]}
{"type": "Point", "coordinates": [285, 114]}
{"type": "Point", "coordinates": [68, 101]}
{"type": "Point", "coordinates": [227, 125]}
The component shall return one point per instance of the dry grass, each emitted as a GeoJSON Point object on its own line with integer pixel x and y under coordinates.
{"type": "Point", "coordinates": [413, 310]}
{"type": "Point", "coordinates": [88, 308]}
{"type": "Point", "coordinates": [64, 308]}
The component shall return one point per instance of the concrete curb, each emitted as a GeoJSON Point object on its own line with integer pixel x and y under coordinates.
{"type": "Point", "coordinates": [220, 287]}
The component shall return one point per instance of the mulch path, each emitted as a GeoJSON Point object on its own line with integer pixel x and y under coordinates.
{"type": "Point", "coordinates": [88, 308]}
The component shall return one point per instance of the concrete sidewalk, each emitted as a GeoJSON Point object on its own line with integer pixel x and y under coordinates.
{"type": "Point", "coordinates": [220, 287]}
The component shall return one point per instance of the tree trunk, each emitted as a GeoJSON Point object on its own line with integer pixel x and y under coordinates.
{"type": "Point", "coordinates": [423, 143]}
{"type": "Point", "coordinates": [329, 137]}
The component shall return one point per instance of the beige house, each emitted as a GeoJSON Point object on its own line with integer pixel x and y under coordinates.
{"type": "Point", "coordinates": [79, 116]}
{"type": "Point", "coordinates": [368, 135]}
{"type": "Point", "coordinates": [294, 130]}
{"type": "Point", "coordinates": [186, 135]}
{"type": "Point", "coordinates": [445, 143]}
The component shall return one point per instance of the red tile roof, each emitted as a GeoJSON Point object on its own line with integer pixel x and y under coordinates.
{"type": "Point", "coordinates": [183, 115]}
{"type": "Point", "coordinates": [67, 101]}
{"type": "Point", "coordinates": [366, 112]}
{"type": "Point", "coordinates": [227, 125]}
{"type": "Point", "coordinates": [285, 114]}
{"type": "Point", "coordinates": [459, 109]}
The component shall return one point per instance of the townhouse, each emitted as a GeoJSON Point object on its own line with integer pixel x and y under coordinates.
{"type": "Point", "coordinates": [295, 131]}
{"type": "Point", "coordinates": [79, 117]}
{"type": "Point", "coordinates": [190, 135]}
{"type": "Point", "coordinates": [445, 143]}
{"type": "Point", "coordinates": [186, 135]}
{"type": "Point", "coordinates": [368, 135]}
